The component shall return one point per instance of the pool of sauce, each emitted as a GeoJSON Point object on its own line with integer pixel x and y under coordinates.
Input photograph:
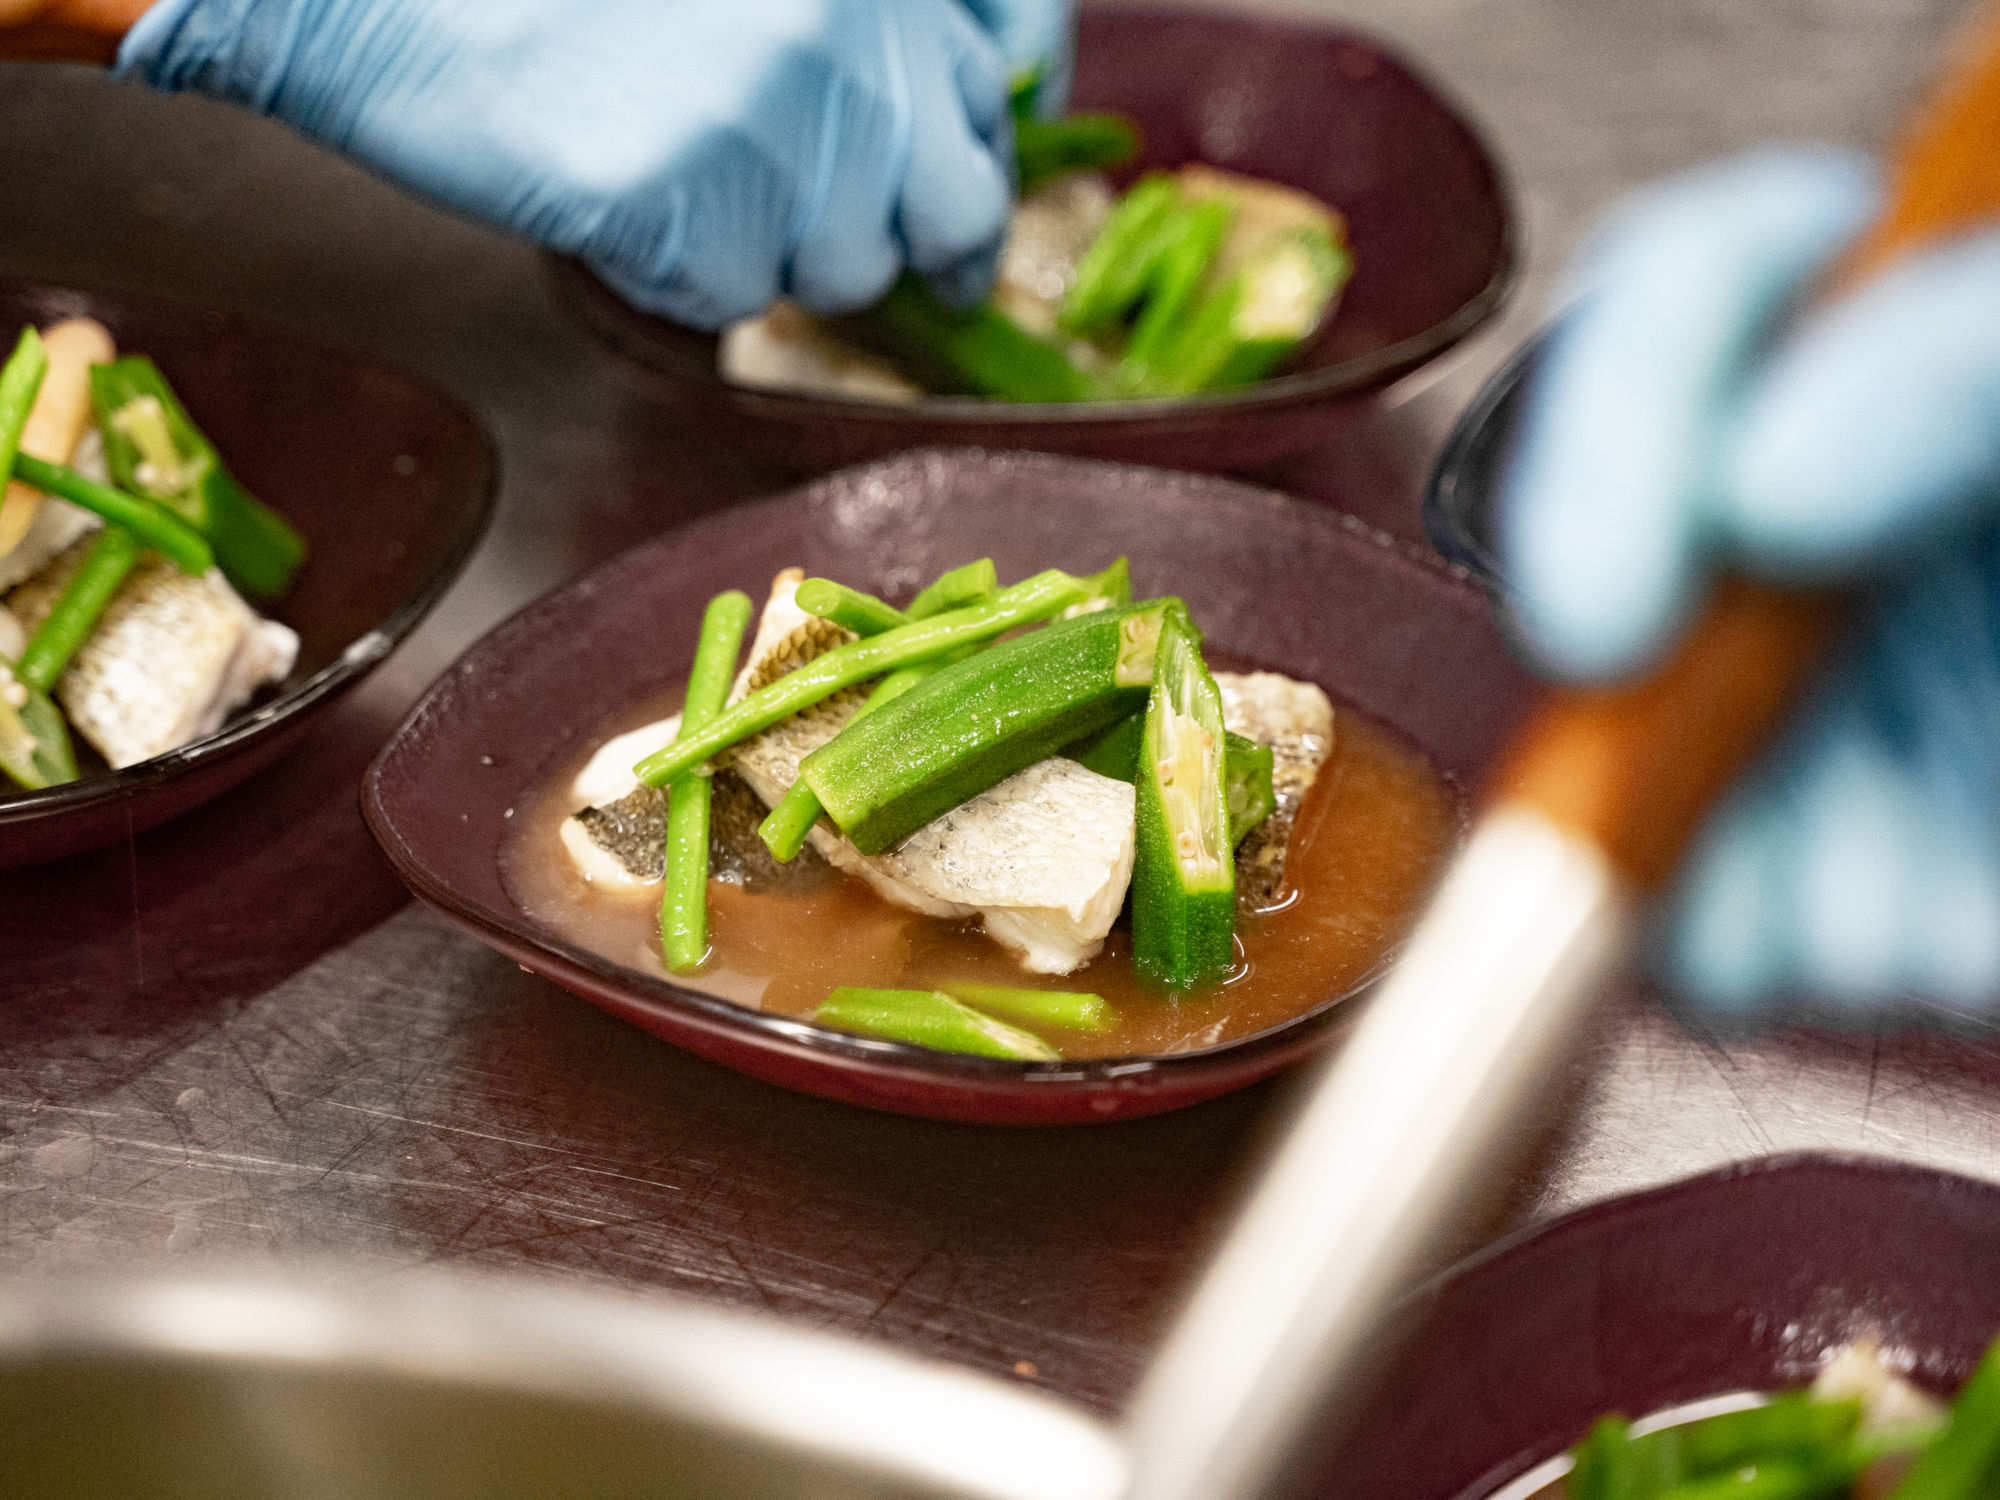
{"type": "Point", "coordinates": [1369, 844]}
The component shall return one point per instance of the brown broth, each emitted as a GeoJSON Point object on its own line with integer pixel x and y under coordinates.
{"type": "Point", "coordinates": [1368, 845]}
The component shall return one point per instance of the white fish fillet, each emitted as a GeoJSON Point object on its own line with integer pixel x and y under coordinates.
{"type": "Point", "coordinates": [169, 661]}
{"type": "Point", "coordinates": [57, 523]}
{"type": "Point", "coordinates": [785, 349]}
{"type": "Point", "coordinates": [1296, 720]}
{"type": "Point", "coordinates": [1042, 859]}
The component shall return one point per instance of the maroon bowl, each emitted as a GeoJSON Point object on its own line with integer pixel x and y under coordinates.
{"type": "Point", "coordinates": [1738, 1280]}
{"type": "Point", "coordinates": [391, 483]}
{"type": "Point", "coordinates": [1274, 581]}
{"type": "Point", "coordinates": [1314, 107]}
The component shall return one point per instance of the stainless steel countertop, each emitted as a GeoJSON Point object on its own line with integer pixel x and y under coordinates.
{"type": "Point", "coordinates": [408, 1096]}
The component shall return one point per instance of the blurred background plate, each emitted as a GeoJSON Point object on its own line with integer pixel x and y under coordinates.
{"type": "Point", "coordinates": [1275, 582]}
{"type": "Point", "coordinates": [1314, 107]}
{"type": "Point", "coordinates": [1739, 1280]}
{"type": "Point", "coordinates": [1461, 501]}
{"type": "Point", "coordinates": [390, 481]}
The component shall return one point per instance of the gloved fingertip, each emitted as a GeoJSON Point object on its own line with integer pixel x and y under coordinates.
{"type": "Point", "coordinates": [954, 207]}
{"type": "Point", "coordinates": [836, 273]}
{"type": "Point", "coordinates": [1877, 425]}
{"type": "Point", "coordinates": [1723, 948]}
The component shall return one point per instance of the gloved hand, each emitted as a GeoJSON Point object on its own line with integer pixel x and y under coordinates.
{"type": "Point", "coordinates": [1674, 429]}
{"type": "Point", "coordinates": [1036, 37]}
{"type": "Point", "coordinates": [704, 156]}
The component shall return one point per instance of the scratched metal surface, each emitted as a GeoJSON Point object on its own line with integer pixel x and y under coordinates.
{"type": "Point", "coordinates": [235, 1039]}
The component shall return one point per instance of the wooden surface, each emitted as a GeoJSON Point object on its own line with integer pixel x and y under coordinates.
{"type": "Point", "coordinates": [233, 1039]}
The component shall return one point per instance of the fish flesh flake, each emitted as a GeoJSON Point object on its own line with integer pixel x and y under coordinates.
{"type": "Point", "coordinates": [1042, 859]}
{"type": "Point", "coordinates": [171, 658]}
{"type": "Point", "coordinates": [1296, 720]}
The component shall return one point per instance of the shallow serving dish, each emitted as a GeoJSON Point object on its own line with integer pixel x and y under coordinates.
{"type": "Point", "coordinates": [1740, 1280]}
{"type": "Point", "coordinates": [1314, 107]}
{"type": "Point", "coordinates": [390, 481]}
{"type": "Point", "coordinates": [1275, 582]}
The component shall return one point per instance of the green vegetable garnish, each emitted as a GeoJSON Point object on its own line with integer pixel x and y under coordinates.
{"type": "Point", "coordinates": [684, 898]}
{"type": "Point", "coordinates": [929, 1018]}
{"type": "Point", "coordinates": [154, 449]}
{"type": "Point", "coordinates": [1026, 603]}
{"type": "Point", "coordinates": [977, 722]}
{"type": "Point", "coordinates": [155, 525]}
{"type": "Point", "coordinates": [974, 351]}
{"type": "Point", "coordinates": [113, 553]}
{"type": "Point", "coordinates": [1184, 872]}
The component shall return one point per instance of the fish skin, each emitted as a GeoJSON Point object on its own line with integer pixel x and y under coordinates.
{"type": "Point", "coordinates": [622, 843]}
{"type": "Point", "coordinates": [1296, 720]}
{"type": "Point", "coordinates": [1042, 859]}
{"type": "Point", "coordinates": [172, 656]}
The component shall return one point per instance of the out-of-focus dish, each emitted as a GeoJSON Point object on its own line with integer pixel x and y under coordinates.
{"type": "Point", "coordinates": [1189, 281]}
{"type": "Point", "coordinates": [137, 644]}
{"type": "Point", "coordinates": [1679, 1303]}
{"type": "Point", "coordinates": [124, 541]}
{"type": "Point", "coordinates": [1417, 682]}
{"type": "Point", "coordinates": [1317, 111]}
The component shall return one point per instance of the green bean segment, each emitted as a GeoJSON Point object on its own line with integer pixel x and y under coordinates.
{"type": "Point", "coordinates": [861, 613]}
{"type": "Point", "coordinates": [972, 583]}
{"type": "Point", "coordinates": [151, 521]}
{"type": "Point", "coordinates": [1026, 603]}
{"type": "Point", "coordinates": [20, 382]}
{"type": "Point", "coordinates": [1067, 1010]}
{"type": "Point", "coordinates": [929, 1018]}
{"type": "Point", "coordinates": [113, 554]}
{"type": "Point", "coordinates": [684, 896]}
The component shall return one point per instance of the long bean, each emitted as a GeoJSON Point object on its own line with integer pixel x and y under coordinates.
{"type": "Point", "coordinates": [684, 897]}
{"type": "Point", "coordinates": [78, 608]}
{"type": "Point", "coordinates": [1031, 600]}
{"type": "Point", "coordinates": [20, 383]}
{"type": "Point", "coordinates": [861, 613]}
{"type": "Point", "coordinates": [785, 828]}
{"type": "Point", "coordinates": [1174, 288]}
{"type": "Point", "coordinates": [151, 521]}
{"type": "Point", "coordinates": [972, 583]}
{"type": "Point", "coordinates": [929, 1018]}
{"type": "Point", "coordinates": [1072, 1010]}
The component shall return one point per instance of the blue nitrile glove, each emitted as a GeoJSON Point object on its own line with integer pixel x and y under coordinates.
{"type": "Point", "coordinates": [1672, 431]}
{"type": "Point", "coordinates": [702, 155]}
{"type": "Point", "coordinates": [1037, 38]}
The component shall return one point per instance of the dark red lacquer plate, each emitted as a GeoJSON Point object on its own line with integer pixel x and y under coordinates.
{"type": "Point", "coordinates": [1738, 1280]}
{"type": "Point", "coordinates": [1289, 586]}
{"type": "Point", "coordinates": [1317, 108]}
{"type": "Point", "coordinates": [390, 481]}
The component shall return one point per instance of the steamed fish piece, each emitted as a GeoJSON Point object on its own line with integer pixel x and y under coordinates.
{"type": "Point", "coordinates": [1296, 720]}
{"type": "Point", "coordinates": [621, 844]}
{"type": "Point", "coordinates": [787, 349]}
{"type": "Point", "coordinates": [1042, 859]}
{"type": "Point", "coordinates": [169, 661]}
